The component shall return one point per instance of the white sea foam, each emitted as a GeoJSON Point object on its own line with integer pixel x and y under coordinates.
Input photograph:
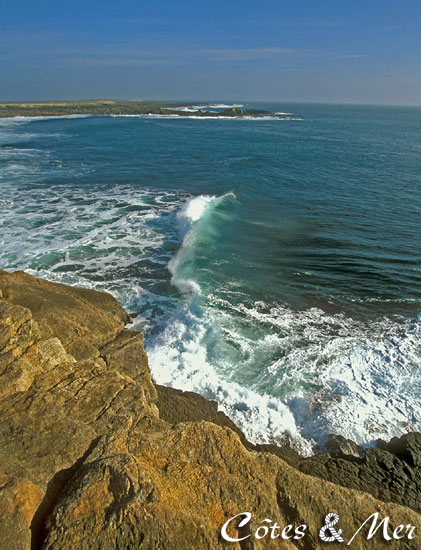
{"type": "Point", "coordinates": [205, 117]}
{"type": "Point", "coordinates": [280, 374]}
{"type": "Point", "coordinates": [179, 358]}
{"type": "Point", "coordinates": [178, 355]}
{"type": "Point", "coordinates": [23, 119]}
{"type": "Point", "coordinates": [317, 373]}
{"type": "Point", "coordinates": [334, 376]}
{"type": "Point", "coordinates": [224, 106]}
{"type": "Point", "coordinates": [204, 107]}
{"type": "Point", "coordinates": [192, 109]}
{"type": "Point", "coordinates": [60, 238]}
{"type": "Point", "coordinates": [360, 379]}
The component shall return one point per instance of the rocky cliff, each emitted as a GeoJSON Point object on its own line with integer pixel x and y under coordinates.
{"type": "Point", "coordinates": [94, 456]}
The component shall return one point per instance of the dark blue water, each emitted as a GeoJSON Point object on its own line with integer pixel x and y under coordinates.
{"type": "Point", "coordinates": [274, 264]}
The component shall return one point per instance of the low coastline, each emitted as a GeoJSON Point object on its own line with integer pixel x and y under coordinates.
{"type": "Point", "coordinates": [129, 108]}
{"type": "Point", "coordinates": [87, 437]}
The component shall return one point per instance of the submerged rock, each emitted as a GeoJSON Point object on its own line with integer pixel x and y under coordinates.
{"type": "Point", "coordinates": [94, 456]}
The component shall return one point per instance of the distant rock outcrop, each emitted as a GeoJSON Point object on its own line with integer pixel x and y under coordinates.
{"type": "Point", "coordinates": [93, 456]}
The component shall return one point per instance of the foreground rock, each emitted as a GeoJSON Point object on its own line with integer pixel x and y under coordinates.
{"type": "Point", "coordinates": [86, 462]}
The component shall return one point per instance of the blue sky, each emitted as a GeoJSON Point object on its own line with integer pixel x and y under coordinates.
{"type": "Point", "coordinates": [319, 50]}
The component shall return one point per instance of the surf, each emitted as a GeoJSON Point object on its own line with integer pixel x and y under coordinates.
{"type": "Point", "coordinates": [194, 223]}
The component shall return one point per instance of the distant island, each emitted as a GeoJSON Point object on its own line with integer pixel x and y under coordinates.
{"type": "Point", "coordinates": [130, 107]}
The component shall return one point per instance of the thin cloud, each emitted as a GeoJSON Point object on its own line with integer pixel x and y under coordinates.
{"type": "Point", "coordinates": [136, 53]}
{"type": "Point", "coordinates": [351, 56]}
{"type": "Point", "coordinates": [114, 62]}
{"type": "Point", "coordinates": [244, 54]}
{"type": "Point", "coordinates": [312, 23]}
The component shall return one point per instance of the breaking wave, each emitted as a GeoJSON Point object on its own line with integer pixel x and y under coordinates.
{"type": "Point", "coordinates": [284, 374]}
{"type": "Point", "coordinates": [281, 373]}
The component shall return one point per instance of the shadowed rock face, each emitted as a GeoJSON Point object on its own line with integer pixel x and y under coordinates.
{"type": "Point", "coordinates": [93, 457]}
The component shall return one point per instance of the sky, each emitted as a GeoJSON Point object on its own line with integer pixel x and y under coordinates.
{"type": "Point", "coordinates": [333, 51]}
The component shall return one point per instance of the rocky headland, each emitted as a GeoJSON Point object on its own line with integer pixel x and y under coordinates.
{"type": "Point", "coordinates": [94, 455]}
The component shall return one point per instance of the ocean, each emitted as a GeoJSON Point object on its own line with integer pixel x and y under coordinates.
{"type": "Point", "coordinates": [274, 265]}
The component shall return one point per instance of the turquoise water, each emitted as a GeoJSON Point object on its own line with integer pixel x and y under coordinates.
{"type": "Point", "coordinates": [274, 265]}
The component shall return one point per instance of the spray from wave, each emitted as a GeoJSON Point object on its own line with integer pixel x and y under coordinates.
{"type": "Point", "coordinates": [193, 221]}
{"type": "Point", "coordinates": [282, 375]}
{"type": "Point", "coordinates": [179, 353]}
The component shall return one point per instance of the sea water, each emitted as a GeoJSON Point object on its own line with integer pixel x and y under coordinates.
{"type": "Point", "coordinates": [274, 265]}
